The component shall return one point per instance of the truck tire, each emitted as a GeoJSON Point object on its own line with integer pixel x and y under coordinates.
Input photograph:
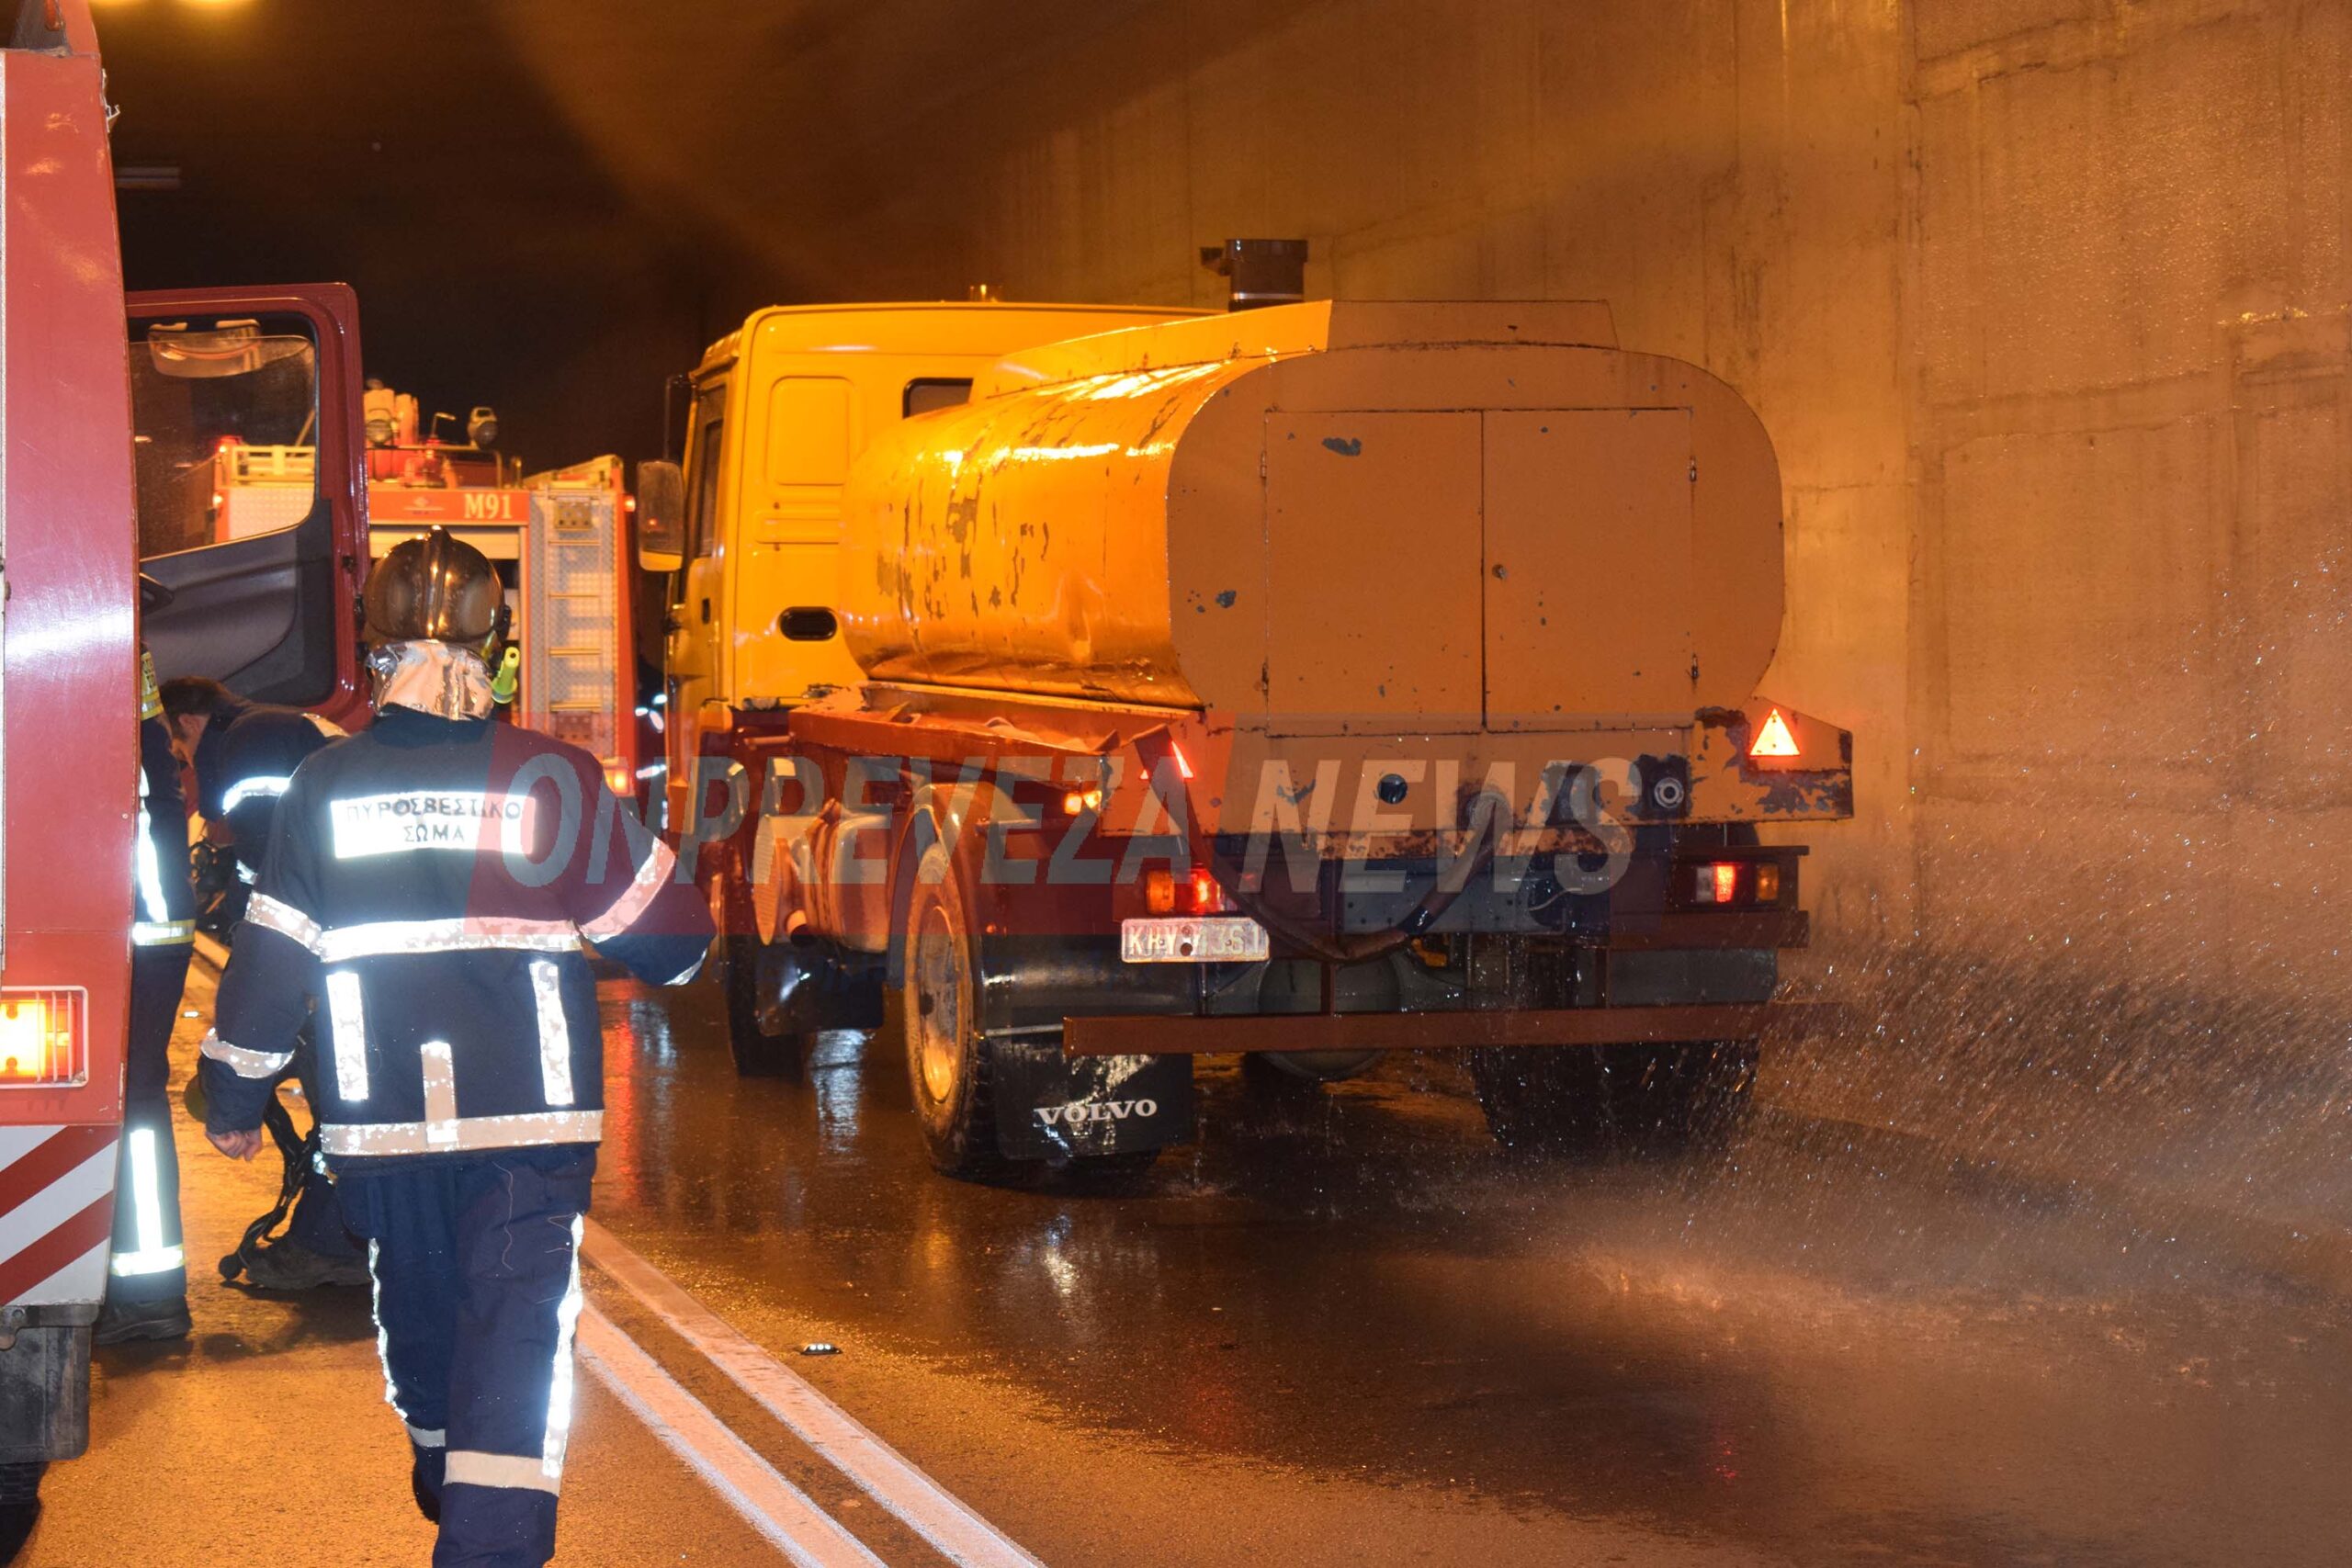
{"type": "Point", "coordinates": [1272, 1085]}
{"type": "Point", "coordinates": [1316, 1067]}
{"type": "Point", "coordinates": [1552, 1100]}
{"type": "Point", "coordinates": [758, 1055]}
{"type": "Point", "coordinates": [948, 1067]}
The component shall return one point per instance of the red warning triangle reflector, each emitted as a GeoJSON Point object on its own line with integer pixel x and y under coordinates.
{"type": "Point", "coordinates": [1774, 739]}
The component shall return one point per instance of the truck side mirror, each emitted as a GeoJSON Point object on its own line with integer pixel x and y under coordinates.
{"type": "Point", "coordinates": [660, 517]}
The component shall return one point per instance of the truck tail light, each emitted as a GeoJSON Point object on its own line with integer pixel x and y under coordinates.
{"type": "Point", "coordinates": [1079, 801]}
{"type": "Point", "coordinates": [1196, 894]}
{"type": "Point", "coordinates": [1716, 881]}
{"type": "Point", "coordinates": [44, 1037]}
{"type": "Point", "coordinates": [1774, 739]}
{"type": "Point", "coordinates": [1719, 884]}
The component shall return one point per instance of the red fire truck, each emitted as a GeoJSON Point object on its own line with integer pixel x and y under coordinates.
{"type": "Point", "coordinates": [84, 450]}
{"type": "Point", "coordinates": [69, 715]}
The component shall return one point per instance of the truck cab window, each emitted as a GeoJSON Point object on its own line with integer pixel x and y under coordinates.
{"type": "Point", "coordinates": [225, 419]}
{"type": "Point", "coordinates": [702, 484]}
{"type": "Point", "coordinates": [32, 26]}
{"type": "Point", "coordinates": [927, 392]}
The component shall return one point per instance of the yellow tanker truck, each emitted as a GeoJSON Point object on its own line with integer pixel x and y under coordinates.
{"type": "Point", "coordinates": [1308, 682]}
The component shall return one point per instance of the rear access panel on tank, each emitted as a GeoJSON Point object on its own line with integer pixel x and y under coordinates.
{"type": "Point", "coordinates": [1587, 533]}
{"type": "Point", "coordinates": [1372, 573]}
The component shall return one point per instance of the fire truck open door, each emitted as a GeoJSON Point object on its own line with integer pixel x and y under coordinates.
{"type": "Point", "coordinates": [246, 443]}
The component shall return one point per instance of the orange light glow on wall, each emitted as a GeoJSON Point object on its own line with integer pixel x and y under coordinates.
{"type": "Point", "coordinates": [1774, 739]}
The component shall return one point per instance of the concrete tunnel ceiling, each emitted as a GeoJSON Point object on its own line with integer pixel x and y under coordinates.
{"type": "Point", "coordinates": [778, 125]}
{"type": "Point", "coordinates": [407, 151]}
{"type": "Point", "coordinates": [550, 206]}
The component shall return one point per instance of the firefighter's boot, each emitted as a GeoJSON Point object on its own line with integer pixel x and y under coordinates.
{"type": "Point", "coordinates": [286, 1265]}
{"type": "Point", "coordinates": [120, 1323]}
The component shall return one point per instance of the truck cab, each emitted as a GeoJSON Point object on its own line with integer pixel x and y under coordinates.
{"type": "Point", "coordinates": [777, 411]}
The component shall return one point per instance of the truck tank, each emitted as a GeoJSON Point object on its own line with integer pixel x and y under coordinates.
{"type": "Point", "coordinates": [1332, 519]}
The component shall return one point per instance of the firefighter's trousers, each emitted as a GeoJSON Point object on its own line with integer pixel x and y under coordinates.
{"type": "Point", "coordinates": [148, 1265]}
{"type": "Point", "coordinates": [476, 1260]}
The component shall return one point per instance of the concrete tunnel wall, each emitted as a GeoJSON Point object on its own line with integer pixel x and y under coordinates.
{"type": "Point", "coordinates": [2044, 303]}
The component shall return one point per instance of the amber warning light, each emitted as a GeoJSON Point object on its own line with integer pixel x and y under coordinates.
{"type": "Point", "coordinates": [42, 1038]}
{"type": "Point", "coordinates": [1774, 739]}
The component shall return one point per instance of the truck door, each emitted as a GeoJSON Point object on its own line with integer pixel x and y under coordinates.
{"type": "Point", "coordinates": [246, 445]}
{"type": "Point", "coordinates": [699, 618]}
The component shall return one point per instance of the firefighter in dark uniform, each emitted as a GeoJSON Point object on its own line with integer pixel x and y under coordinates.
{"type": "Point", "coordinates": [147, 1277]}
{"type": "Point", "coordinates": [243, 753]}
{"type": "Point", "coordinates": [428, 885]}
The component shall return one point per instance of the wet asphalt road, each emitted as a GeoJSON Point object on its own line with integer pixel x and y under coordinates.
{"type": "Point", "coordinates": [1351, 1334]}
{"type": "Point", "coordinates": [1357, 1333]}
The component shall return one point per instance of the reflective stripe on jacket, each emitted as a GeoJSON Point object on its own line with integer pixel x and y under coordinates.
{"type": "Point", "coordinates": [162, 903]}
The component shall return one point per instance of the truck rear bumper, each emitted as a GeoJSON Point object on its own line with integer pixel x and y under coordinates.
{"type": "Point", "coordinates": [1436, 1031]}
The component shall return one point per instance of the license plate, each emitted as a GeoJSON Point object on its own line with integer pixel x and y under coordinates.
{"type": "Point", "coordinates": [1210, 939]}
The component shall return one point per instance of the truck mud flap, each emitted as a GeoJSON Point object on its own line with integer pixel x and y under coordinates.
{"type": "Point", "coordinates": [45, 1393]}
{"type": "Point", "coordinates": [1053, 1107]}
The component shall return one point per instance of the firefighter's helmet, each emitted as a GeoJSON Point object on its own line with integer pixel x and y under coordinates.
{"type": "Point", "coordinates": [436, 589]}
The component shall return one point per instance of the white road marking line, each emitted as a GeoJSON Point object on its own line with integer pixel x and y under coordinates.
{"type": "Point", "coordinates": [770, 1504]}
{"type": "Point", "coordinates": [915, 1499]}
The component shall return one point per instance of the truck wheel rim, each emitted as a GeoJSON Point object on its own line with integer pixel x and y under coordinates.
{"type": "Point", "coordinates": [939, 1002]}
